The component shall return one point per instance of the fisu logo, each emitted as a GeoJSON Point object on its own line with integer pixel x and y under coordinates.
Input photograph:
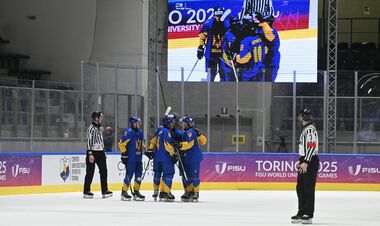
{"type": "Point", "coordinates": [357, 170]}
{"type": "Point", "coordinates": [221, 167]}
{"type": "Point", "coordinates": [15, 170]}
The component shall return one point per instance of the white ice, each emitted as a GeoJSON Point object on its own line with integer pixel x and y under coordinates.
{"type": "Point", "coordinates": [216, 208]}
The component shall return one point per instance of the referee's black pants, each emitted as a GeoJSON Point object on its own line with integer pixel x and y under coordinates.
{"type": "Point", "coordinates": [306, 188]}
{"type": "Point", "coordinates": [101, 161]}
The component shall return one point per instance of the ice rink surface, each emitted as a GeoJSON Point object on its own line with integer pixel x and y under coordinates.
{"type": "Point", "coordinates": [216, 208]}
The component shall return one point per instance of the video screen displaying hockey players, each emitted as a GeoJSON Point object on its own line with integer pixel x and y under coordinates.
{"type": "Point", "coordinates": [248, 40]}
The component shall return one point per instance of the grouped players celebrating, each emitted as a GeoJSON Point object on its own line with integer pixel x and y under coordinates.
{"type": "Point", "coordinates": [168, 147]}
{"type": "Point", "coordinates": [245, 47]}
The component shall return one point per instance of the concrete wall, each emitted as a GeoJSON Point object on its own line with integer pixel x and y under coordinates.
{"type": "Point", "coordinates": [120, 35]}
{"type": "Point", "coordinates": [353, 8]}
{"type": "Point", "coordinates": [365, 28]}
{"type": "Point", "coordinates": [56, 40]}
{"type": "Point", "coordinates": [65, 32]}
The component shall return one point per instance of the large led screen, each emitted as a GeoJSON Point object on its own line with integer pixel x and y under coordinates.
{"type": "Point", "coordinates": [248, 40]}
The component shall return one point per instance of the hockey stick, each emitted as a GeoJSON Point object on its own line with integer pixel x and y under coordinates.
{"type": "Point", "coordinates": [225, 14]}
{"type": "Point", "coordinates": [226, 62]}
{"type": "Point", "coordinates": [162, 91]}
{"type": "Point", "coordinates": [233, 68]}
{"type": "Point", "coordinates": [142, 178]}
{"type": "Point", "coordinates": [146, 169]}
{"type": "Point", "coordinates": [168, 109]}
{"type": "Point", "coordinates": [181, 167]}
{"type": "Point", "coordinates": [196, 62]}
{"type": "Point", "coordinates": [181, 173]}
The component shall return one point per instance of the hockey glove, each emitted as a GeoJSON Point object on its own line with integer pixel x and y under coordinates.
{"type": "Point", "coordinates": [176, 145]}
{"type": "Point", "coordinates": [258, 18]}
{"type": "Point", "coordinates": [200, 52]}
{"type": "Point", "coordinates": [175, 157]}
{"type": "Point", "coordinates": [270, 21]}
{"type": "Point", "coordinates": [197, 132]}
{"type": "Point", "coordinates": [149, 153]}
{"type": "Point", "coordinates": [231, 55]}
{"type": "Point", "coordinates": [124, 158]}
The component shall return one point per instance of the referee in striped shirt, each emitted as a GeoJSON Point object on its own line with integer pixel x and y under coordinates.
{"type": "Point", "coordinates": [307, 169]}
{"type": "Point", "coordinates": [252, 7]}
{"type": "Point", "coordinates": [95, 155]}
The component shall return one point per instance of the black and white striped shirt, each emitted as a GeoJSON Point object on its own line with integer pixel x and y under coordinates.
{"type": "Point", "coordinates": [308, 146]}
{"type": "Point", "coordinates": [264, 7]}
{"type": "Point", "coordinates": [95, 138]}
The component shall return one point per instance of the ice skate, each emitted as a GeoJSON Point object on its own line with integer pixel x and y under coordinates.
{"type": "Point", "coordinates": [155, 195]}
{"type": "Point", "coordinates": [170, 197]}
{"type": "Point", "coordinates": [306, 219]}
{"type": "Point", "coordinates": [125, 196]}
{"type": "Point", "coordinates": [167, 197]}
{"type": "Point", "coordinates": [187, 196]}
{"type": "Point", "coordinates": [137, 196]}
{"type": "Point", "coordinates": [107, 194]}
{"type": "Point", "coordinates": [195, 197]}
{"type": "Point", "coordinates": [88, 195]}
{"type": "Point", "coordinates": [161, 196]}
{"type": "Point", "coordinates": [296, 219]}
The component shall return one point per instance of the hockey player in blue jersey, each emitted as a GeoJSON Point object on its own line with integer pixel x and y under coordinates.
{"type": "Point", "coordinates": [230, 47]}
{"type": "Point", "coordinates": [165, 158]}
{"type": "Point", "coordinates": [157, 172]}
{"type": "Point", "coordinates": [252, 53]}
{"type": "Point", "coordinates": [272, 57]}
{"type": "Point", "coordinates": [191, 156]}
{"type": "Point", "coordinates": [153, 146]}
{"type": "Point", "coordinates": [131, 146]}
{"type": "Point", "coordinates": [211, 37]}
{"type": "Point", "coordinates": [272, 45]}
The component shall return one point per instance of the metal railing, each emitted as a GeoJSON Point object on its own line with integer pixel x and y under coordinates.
{"type": "Point", "coordinates": [40, 116]}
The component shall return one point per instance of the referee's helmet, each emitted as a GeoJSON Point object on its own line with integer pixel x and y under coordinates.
{"type": "Point", "coordinates": [96, 114]}
{"type": "Point", "coordinates": [306, 114]}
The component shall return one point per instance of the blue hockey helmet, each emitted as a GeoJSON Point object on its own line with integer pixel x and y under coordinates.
{"type": "Point", "coordinates": [218, 11]}
{"type": "Point", "coordinates": [186, 120]}
{"type": "Point", "coordinates": [169, 121]}
{"type": "Point", "coordinates": [235, 25]}
{"type": "Point", "coordinates": [134, 119]}
{"type": "Point", "coordinates": [234, 21]}
{"type": "Point", "coordinates": [248, 25]}
{"type": "Point", "coordinates": [247, 21]}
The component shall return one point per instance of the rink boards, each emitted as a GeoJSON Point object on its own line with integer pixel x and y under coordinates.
{"type": "Point", "coordinates": [23, 173]}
